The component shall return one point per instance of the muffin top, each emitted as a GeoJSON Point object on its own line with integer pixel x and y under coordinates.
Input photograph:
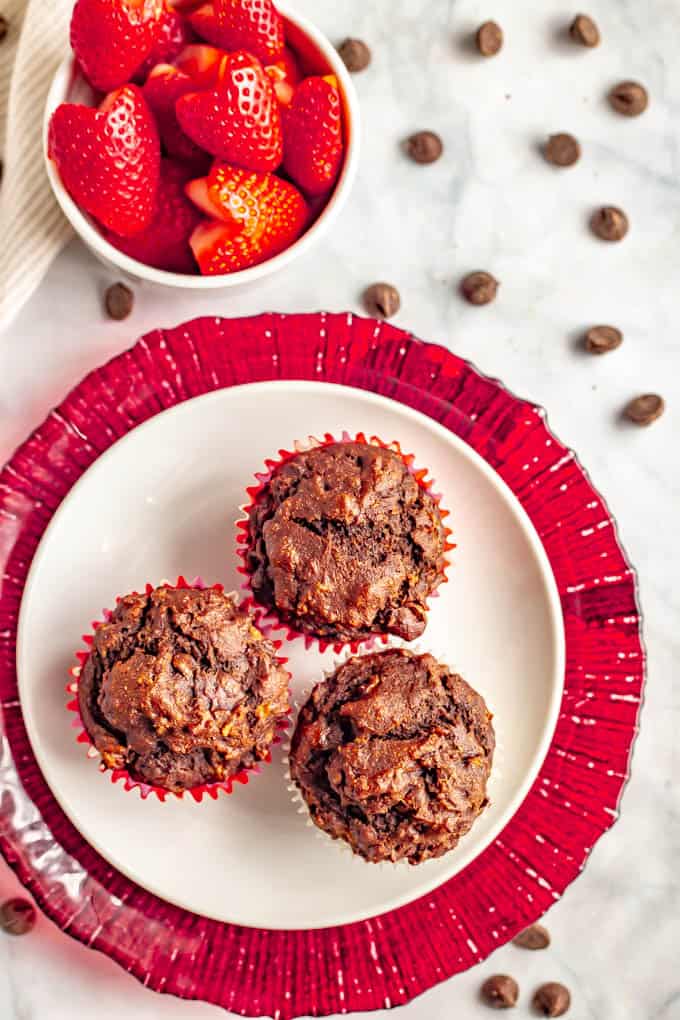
{"type": "Point", "coordinates": [392, 754]}
{"type": "Point", "coordinates": [345, 543]}
{"type": "Point", "coordinates": [181, 689]}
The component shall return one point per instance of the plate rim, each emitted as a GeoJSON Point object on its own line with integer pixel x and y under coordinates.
{"type": "Point", "coordinates": [519, 515]}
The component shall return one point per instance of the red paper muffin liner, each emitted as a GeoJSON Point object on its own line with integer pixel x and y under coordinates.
{"type": "Point", "coordinates": [121, 775]}
{"type": "Point", "coordinates": [267, 618]}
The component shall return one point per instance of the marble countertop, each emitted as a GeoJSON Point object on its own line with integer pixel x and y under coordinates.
{"type": "Point", "coordinates": [490, 203]}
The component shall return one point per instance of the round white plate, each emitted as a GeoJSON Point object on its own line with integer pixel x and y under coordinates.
{"type": "Point", "coordinates": [162, 502]}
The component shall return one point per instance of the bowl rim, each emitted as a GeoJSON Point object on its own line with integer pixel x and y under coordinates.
{"type": "Point", "coordinates": [89, 234]}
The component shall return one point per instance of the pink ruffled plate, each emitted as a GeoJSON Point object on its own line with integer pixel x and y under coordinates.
{"type": "Point", "coordinates": [390, 959]}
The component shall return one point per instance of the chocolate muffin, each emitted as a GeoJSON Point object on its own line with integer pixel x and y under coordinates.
{"type": "Point", "coordinates": [392, 754]}
{"type": "Point", "coordinates": [343, 543]}
{"type": "Point", "coordinates": [180, 689]}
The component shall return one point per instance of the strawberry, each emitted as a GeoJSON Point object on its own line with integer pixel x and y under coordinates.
{"type": "Point", "coordinates": [254, 216]}
{"type": "Point", "coordinates": [205, 64]}
{"type": "Point", "coordinates": [285, 75]}
{"type": "Point", "coordinates": [239, 120]}
{"type": "Point", "coordinates": [163, 88]}
{"type": "Point", "coordinates": [109, 159]}
{"type": "Point", "coordinates": [112, 38]}
{"type": "Point", "coordinates": [312, 131]}
{"type": "Point", "coordinates": [204, 22]}
{"type": "Point", "coordinates": [165, 242]}
{"type": "Point", "coordinates": [174, 35]}
{"type": "Point", "coordinates": [253, 25]}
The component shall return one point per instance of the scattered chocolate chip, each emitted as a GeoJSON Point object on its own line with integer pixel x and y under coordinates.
{"type": "Point", "coordinates": [645, 409]}
{"type": "Point", "coordinates": [17, 916]}
{"type": "Point", "coordinates": [600, 339]}
{"type": "Point", "coordinates": [382, 300]}
{"type": "Point", "coordinates": [4, 27]}
{"type": "Point", "coordinates": [552, 999]}
{"type": "Point", "coordinates": [489, 39]}
{"type": "Point", "coordinates": [629, 98]}
{"type": "Point", "coordinates": [583, 30]}
{"type": "Point", "coordinates": [356, 56]}
{"type": "Point", "coordinates": [500, 991]}
{"type": "Point", "coordinates": [609, 223]}
{"type": "Point", "coordinates": [562, 150]}
{"type": "Point", "coordinates": [535, 937]}
{"type": "Point", "coordinates": [119, 301]}
{"type": "Point", "coordinates": [479, 288]}
{"type": "Point", "coordinates": [424, 147]}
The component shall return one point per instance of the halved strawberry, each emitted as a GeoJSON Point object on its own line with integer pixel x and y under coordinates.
{"type": "Point", "coordinates": [254, 217]}
{"type": "Point", "coordinates": [312, 131]}
{"type": "Point", "coordinates": [109, 159]}
{"type": "Point", "coordinates": [204, 23]}
{"type": "Point", "coordinates": [112, 38]}
{"type": "Point", "coordinates": [174, 35]}
{"type": "Point", "coordinates": [253, 25]}
{"type": "Point", "coordinates": [285, 76]}
{"type": "Point", "coordinates": [165, 242]}
{"type": "Point", "coordinates": [163, 88]}
{"type": "Point", "coordinates": [239, 121]}
{"type": "Point", "coordinates": [205, 64]}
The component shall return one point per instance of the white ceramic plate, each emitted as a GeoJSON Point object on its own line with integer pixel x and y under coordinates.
{"type": "Point", "coordinates": [163, 501]}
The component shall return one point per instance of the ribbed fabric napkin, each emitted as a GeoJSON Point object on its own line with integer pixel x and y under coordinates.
{"type": "Point", "coordinates": [32, 227]}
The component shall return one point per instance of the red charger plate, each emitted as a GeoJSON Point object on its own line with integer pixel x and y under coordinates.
{"type": "Point", "coordinates": [390, 959]}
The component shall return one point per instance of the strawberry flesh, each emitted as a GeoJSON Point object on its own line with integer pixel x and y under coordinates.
{"type": "Point", "coordinates": [254, 216]}
{"type": "Point", "coordinates": [112, 38]}
{"type": "Point", "coordinates": [109, 159]}
{"type": "Point", "coordinates": [312, 131]}
{"type": "Point", "coordinates": [239, 121]}
{"type": "Point", "coordinates": [205, 64]}
{"type": "Point", "coordinates": [165, 242]}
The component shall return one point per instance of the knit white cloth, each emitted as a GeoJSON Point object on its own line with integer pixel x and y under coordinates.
{"type": "Point", "coordinates": [32, 227]}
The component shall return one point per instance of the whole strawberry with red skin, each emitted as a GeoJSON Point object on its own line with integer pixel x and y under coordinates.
{"type": "Point", "coordinates": [174, 35]}
{"type": "Point", "coordinates": [109, 159]}
{"type": "Point", "coordinates": [112, 38]}
{"type": "Point", "coordinates": [165, 242]}
{"type": "Point", "coordinates": [163, 88]}
{"type": "Point", "coordinates": [254, 217]}
{"type": "Point", "coordinates": [238, 121]}
{"type": "Point", "coordinates": [312, 133]}
{"type": "Point", "coordinates": [255, 26]}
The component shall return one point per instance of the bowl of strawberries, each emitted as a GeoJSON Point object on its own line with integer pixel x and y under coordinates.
{"type": "Point", "coordinates": [199, 144]}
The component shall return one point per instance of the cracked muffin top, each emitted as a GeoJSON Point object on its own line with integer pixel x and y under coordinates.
{"type": "Point", "coordinates": [180, 688]}
{"type": "Point", "coordinates": [392, 754]}
{"type": "Point", "coordinates": [343, 543]}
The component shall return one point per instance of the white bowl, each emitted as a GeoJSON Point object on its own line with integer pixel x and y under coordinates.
{"type": "Point", "coordinates": [69, 86]}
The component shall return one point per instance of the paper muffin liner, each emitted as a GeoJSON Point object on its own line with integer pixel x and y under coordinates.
{"type": "Point", "coordinates": [419, 647]}
{"type": "Point", "coordinates": [122, 775]}
{"type": "Point", "coordinates": [267, 618]}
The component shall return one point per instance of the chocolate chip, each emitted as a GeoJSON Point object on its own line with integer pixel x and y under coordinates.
{"type": "Point", "coordinates": [489, 39]}
{"type": "Point", "coordinates": [479, 288]}
{"type": "Point", "coordinates": [382, 300]}
{"type": "Point", "coordinates": [119, 301]}
{"type": "Point", "coordinates": [583, 30]}
{"type": "Point", "coordinates": [356, 56]}
{"type": "Point", "coordinates": [609, 223]}
{"type": "Point", "coordinates": [535, 937]}
{"type": "Point", "coordinates": [17, 916]}
{"type": "Point", "coordinates": [600, 339]}
{"type": "Point", "coordinates": [500, 991]}
{"type": "Point", "coordinates": [424, 147]}
{"type": "Point", "coordinates": [629, 98]}
{"type": "Point", "coordinates": [4, 27]}
{"type": "Point", "coordinates": [645, 409]}
{"type": "Point", "coordinates": [562, 150]}
{"type": "Point", "coordinates": [552, 999]}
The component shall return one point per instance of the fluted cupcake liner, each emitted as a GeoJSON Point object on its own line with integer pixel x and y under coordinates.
{"type": "Point", "coordinates": [212, 790]}
{"type": "Point", "coordinates": [268, 618]}
{"type": "Point", "coordinates": [419, 647]}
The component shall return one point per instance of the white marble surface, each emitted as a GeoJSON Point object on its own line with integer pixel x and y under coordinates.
{"type": "Point", "coordinates": [490, 203]}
